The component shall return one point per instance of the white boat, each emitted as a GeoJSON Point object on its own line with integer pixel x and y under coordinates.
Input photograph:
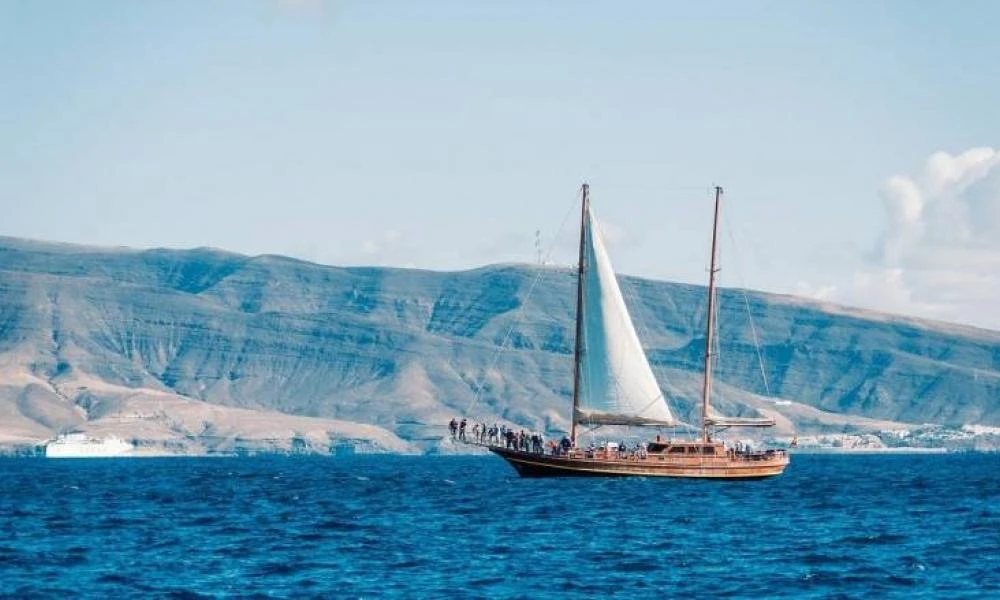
{"type": "Point", "coordinates": [81, 445]}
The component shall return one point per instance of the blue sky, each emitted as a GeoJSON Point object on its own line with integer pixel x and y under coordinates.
{"type": "Point", "coordinates": [443, 134]}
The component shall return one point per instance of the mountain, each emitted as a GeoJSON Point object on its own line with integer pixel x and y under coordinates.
{"type": "Point", "coordinates": [185, 347]}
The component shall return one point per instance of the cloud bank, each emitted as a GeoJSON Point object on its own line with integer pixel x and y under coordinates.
{"type": "Point", "coordinates": [939, 254]}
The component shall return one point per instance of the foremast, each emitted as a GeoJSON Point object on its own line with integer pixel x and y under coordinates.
{"type": "Point", "coordinates": [706, 390]}
{"type": "Point", "coordinates": [578, 346]}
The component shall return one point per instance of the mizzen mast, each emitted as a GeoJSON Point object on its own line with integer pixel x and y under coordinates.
{"type": "Point", "coordinates": [706, 389]}
{"type": "Point", "coordinates": [578, 347]}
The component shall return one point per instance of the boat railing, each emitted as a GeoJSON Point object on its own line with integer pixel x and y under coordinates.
{"type": "Point", "coordinates": [641, 455]}
{"type": "Point", "coordinates": [757, 455]}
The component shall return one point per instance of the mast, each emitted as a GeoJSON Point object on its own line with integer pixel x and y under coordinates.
{"type": "Point", "coordinates": [578, 348]}
{"type": "Point", "coordinates": [706, 389]}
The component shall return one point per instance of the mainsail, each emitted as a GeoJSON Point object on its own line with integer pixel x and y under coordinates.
{"type": "Point", "coordinates": [617, 385]}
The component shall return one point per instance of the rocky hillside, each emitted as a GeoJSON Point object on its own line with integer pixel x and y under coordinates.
{"type": "Point", "coordinates": [97, 337]}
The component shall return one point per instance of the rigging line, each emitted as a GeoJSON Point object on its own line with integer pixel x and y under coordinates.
{"type": "Point", "coordinates": [718, 328]}
{"type": "Point", "coordinates": [658, 191]}
{"type": "Point", "coordinates": [746, 302]}
{"type": "Point", "coordinates": [653, 401]}
{"type": "Point", "coordinates": [520, 312]}
{"type": "Point", "coordinates": [644, 331]}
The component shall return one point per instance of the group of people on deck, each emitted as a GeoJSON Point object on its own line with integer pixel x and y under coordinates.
{"type": "Point", "coordinates": [479, 435]}
{"type": "Point", "coordinates": [525, 442]}
{"type": "Point", "coordinates": [497, 435]}
{"type": "Point", "coordinates": [458, 429]}
{"type": "Point", "coordinates": [522, 441]}
{"type": "Point", "coordinates": [501, 435]}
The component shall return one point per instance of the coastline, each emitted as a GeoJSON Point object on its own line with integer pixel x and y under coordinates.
{"type": "Point", "coordinates": [38, 451]}
{"type": "Point", "coordinates": [894, 450]}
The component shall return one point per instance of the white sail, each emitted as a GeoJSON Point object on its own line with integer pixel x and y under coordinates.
{"type": "Point", "coordinates": [617, 385]}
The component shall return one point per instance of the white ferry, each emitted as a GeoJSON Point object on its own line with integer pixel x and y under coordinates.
{"type": "Point", "coordinates": [80, 445]}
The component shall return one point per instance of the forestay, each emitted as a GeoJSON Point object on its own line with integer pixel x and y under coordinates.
{"type": "Point", "coordinates": [617, 385]}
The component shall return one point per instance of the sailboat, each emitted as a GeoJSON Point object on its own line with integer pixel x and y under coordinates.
{"type": "Point", "coordinates": [614, 385]}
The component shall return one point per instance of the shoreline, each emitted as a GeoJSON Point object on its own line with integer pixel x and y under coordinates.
{"type": "Point", "coordinates": [14, 453]}
{"type": "Point", "coordinates": [894, 450]}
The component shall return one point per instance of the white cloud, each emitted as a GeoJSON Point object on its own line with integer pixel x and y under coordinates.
{"type": "Point", "coordinates": [376, 247]}
{"type": "Point", "coordinates": [939, 255]}
{"type": "Point", "coordinates": [389, 248]}
{"type": "Point", "coordinates": [822, 292]}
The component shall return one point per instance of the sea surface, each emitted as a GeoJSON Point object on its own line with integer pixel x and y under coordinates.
{"type": "Point", "coordinates": [917, 526]}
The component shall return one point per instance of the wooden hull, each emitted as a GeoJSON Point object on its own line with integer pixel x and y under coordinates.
{"type": "Point", "coordinates": [709, 467]}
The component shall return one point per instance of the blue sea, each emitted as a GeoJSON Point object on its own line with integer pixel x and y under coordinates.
{"type": "Point", "coordinates": [917, 526]}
